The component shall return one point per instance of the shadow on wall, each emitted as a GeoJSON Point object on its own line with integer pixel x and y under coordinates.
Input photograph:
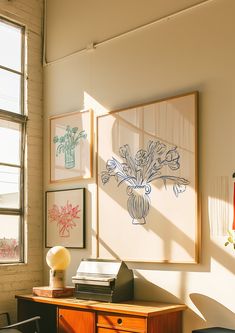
{"type": "Point", "coordinates": [212, 312]}
{"type": "Point", "coordinates": [154, 292]}
{"type": "Point", "coordinates": [215, 313]}
{"type": "Point", "coordinates": [136, 170]}
{"type": "Point", "coordinates": [174, 234]}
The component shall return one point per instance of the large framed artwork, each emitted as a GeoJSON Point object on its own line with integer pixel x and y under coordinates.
{"type": "Point", "coordinates": [147, 180]}
{"type": "Point", "coordinates": [65, 218]}
{"type": "Point", "coordinates": [71, 146]}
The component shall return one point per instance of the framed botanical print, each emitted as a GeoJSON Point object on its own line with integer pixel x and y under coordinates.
{"type": "Point", "coordinates": [147, 181]}
{"type": "Point", "coordinates": [65, 218]}
{"type": "Point", "coordinates": [71, 146]}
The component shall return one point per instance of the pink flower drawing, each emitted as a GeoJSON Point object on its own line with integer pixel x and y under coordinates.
{"type": "Point", "coordinates": [65, 216]}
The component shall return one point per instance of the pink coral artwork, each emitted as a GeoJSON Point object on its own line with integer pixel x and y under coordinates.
{"type": "Point", "coordinates": [65, 218]}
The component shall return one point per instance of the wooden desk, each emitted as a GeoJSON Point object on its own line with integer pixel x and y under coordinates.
{"type": "Point", "coordinates": [70, 315]}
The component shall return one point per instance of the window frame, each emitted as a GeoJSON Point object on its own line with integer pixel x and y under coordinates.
{"type": "Point", "coordinates": [21, 119]}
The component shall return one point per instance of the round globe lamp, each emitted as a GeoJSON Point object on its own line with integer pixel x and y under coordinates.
{"type": "Point", "coordinates": [58, 259]}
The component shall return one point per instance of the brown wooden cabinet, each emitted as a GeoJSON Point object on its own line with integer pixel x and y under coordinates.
{"type": "Point", "coordinates": [72, 315]}
{"type": "Point", "coordinates": [75, 321]}
{"type": "Point", "coordinates": [122, 322]}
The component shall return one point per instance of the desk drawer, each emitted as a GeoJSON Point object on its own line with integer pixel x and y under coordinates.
{"type": "Point", "coordinates": [121, 322]}
{"type": "Point", "coordinates": [110, 330]}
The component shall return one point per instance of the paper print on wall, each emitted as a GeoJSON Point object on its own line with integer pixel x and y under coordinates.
{"type": "Point", "coordinates": [65, 218]}
{"type": "Point", "coordinates": [70, 142]}
{"type": "Point", "coordinates": [139, 170]}
{"type": "Point", "coordinates": [147, 182]}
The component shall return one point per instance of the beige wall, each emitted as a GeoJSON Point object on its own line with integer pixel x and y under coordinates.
{"type": "Point", "coordinates": [19, 279]}
{"type": "Point", "coordinates": [190, 51]}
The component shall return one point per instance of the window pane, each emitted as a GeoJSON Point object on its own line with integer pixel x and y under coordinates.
{"type": "Point", "coordinates": [10, 41]}
{"type": "Point", "coordinates": [9, 238]}
{"type": "Point", "coordinates": [12, 137]}
{"type": "Point", "coordinates": [10, 133]}
{"type": "Point", "coordinates": [9, 187]}
{"type": "Point", "coordinates": [10, 91]}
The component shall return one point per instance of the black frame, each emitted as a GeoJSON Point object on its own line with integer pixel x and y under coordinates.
{"type": "Point", "coordinates": [84, 218]}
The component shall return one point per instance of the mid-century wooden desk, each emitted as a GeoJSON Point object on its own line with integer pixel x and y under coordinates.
{"type": "Point", "coordinates": [71, 315]}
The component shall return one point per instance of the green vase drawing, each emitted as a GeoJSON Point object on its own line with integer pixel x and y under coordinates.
{"type": "Point", "coordinates": [69, 158]}
{"type": "Point", "coordinates": [67, 144]}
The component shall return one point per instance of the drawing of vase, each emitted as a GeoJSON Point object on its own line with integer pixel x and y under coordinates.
{"type": "Point", "coordinates": [138, 203]}
{"type": "Point", "coordinates": [63, 231]}
{"type": "Point", "coordinates": [69, 158]}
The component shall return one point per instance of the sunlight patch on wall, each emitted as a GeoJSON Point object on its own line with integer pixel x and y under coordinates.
{"type": "Point", "coordinates": [164, 194]}
{"type": "Point", "coordinates": [219, 206]}
{"type": "Point", "coordinates": [91, 103]}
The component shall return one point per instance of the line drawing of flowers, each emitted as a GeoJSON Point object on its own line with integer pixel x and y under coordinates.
{"type": "Point", "coordinates": [67, 144]}
{"type": "Point", "coordinates": [65, 217]}
{"type": "Point", "coordinates": [139, 171]}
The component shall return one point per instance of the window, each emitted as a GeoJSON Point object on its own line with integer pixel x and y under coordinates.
{"type": "Point", "coordinates": [12, 142]}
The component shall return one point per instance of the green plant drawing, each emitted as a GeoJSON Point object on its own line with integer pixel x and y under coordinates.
{"type": "Point", "coordinates": [67, 144]}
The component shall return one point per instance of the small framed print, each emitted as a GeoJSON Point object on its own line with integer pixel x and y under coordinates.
{"type": "Point", "coordinates": [71, 146]}
{"type": "Point", "coordinates": [65, 218]}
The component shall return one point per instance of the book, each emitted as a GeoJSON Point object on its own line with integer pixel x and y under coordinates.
{"type": "Point", "coordinates": [53, 292]}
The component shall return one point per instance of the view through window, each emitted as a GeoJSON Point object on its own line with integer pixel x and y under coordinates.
{"type": "Point", "coordinates": [12, 141]}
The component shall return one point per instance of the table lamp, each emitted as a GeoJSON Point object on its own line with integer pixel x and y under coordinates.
{"type": "Point", "coordinates": [58, 259]}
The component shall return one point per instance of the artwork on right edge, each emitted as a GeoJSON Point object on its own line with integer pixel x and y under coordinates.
{"type": "Point", "coordinates": [147, 182]}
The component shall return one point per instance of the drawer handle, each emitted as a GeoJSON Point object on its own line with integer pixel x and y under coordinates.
{"type": "Point", "coordinates": [119, 321]}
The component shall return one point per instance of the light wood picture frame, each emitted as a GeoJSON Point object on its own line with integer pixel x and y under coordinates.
{"type": "Point", "coordinates": [65, 218]}
{"type": "Point", "coordinates": [71, 146]}
{"type": "Point", "coordinates": [147, 182]}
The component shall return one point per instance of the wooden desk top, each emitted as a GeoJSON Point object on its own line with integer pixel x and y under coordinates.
{"type": "Point", "coordinates": [134, 307]}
